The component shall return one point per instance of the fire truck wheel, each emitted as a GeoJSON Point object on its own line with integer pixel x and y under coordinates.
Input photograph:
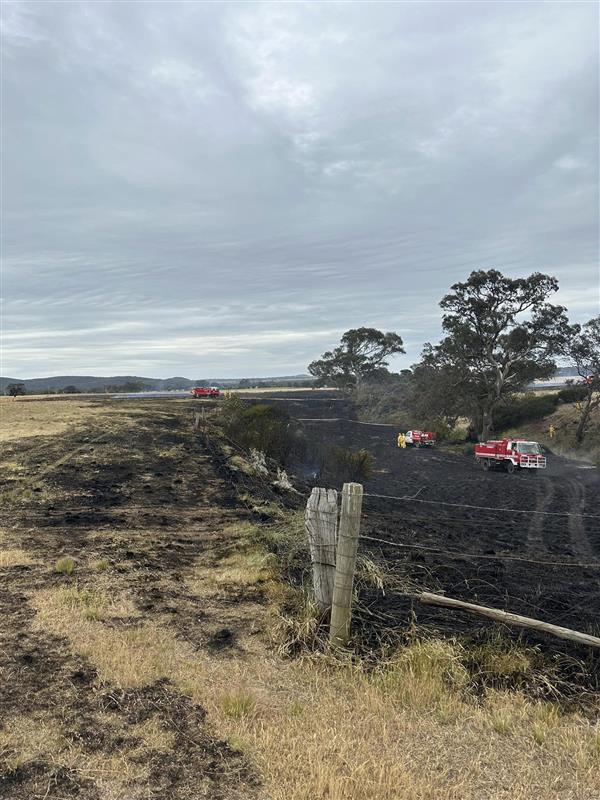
{"type": "Point", "coordinates": [486, 464]}
{"type": "Point", "coordinates": [510, 467]}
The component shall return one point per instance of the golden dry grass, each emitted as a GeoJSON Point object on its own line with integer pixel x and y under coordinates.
{"type": "Point", "coordinates": [27, 738]}
{"type": "Point", "coordinates": [24, 420]}
{"type": "Point", "coordinates": [320, 728]}
{"type": "Point", "coordinates": [15, 557]}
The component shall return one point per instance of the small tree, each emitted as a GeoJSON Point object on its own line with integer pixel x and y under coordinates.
{"type": "Point", "coordinates": [362, 354]}
{"type": "Point", "coordinates": [502, 334]}
{"type": "Point", "coordinates": [15, 389]}
{"type": "Point", "coordinates": [584, 350]}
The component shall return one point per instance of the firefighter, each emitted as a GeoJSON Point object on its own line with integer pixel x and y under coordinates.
{"type": "Point", "coordinates": [402, 441]}
{"type": "Point", "coordinates": [552, 431]}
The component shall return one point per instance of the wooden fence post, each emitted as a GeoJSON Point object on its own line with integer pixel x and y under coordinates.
{"type": "Point", "coordinates": [321, 528]}
{"type": "Point", "coordinates": [347, 545]}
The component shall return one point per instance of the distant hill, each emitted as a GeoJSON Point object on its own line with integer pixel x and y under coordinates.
{"type": "Point", "coordinates": [92, 383]}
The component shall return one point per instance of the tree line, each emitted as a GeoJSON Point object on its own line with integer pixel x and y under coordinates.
{"type": "Point", "coordinates": [18, 389]}
{"type": "Point", "coordinates": [499, 335]}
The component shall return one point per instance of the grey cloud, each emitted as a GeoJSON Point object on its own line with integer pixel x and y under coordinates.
{"type": "Point", "coordinates": [226, 188]}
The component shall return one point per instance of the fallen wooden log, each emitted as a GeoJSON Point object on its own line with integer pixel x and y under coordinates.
{"type": "Point", "coordinates": [511, 619]}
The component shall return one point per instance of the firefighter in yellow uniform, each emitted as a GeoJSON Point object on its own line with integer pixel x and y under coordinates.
{"type": "Point", "coordinates": [402, 441]}
{"type": "Point", "coordinates": [552, 431]}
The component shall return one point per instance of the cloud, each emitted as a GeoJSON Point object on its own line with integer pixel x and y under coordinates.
{"type": "Point", "coordinates": [228, 187]}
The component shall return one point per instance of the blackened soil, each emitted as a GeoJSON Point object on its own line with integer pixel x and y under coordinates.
{"type": "Point", "coordinates": [471, 553]}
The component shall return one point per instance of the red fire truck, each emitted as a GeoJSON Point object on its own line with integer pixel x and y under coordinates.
{"type": "Point", "coordinates": [200, 392]}
{"type": "Point", "coordinates": [510, 454]}
{"type": "Point", "coordinates": [420, 438]}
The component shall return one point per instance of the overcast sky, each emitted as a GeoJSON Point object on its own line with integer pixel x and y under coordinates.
{"type": "Point", "coordinates": [223, 189]}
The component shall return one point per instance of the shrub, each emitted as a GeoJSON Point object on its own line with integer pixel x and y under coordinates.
{"type": "Point", "coordinates": [572, 394]}
{"type": "Point", "coordinates": [349, 465]}
{"type": "Point", "coordinates": [524, 409]}
{"type": "Point", "coordinates": [258, 427]}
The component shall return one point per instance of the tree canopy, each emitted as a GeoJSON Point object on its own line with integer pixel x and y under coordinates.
{"type": "Point", "coordinates": [362, 354]}
{"type": "Point", "coordinates": [501, 334]}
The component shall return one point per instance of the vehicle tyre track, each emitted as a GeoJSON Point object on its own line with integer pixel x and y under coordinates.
{"type": "Point", "coordinates": [544, 499]}
{"type": "Point", "coordinates": [581, 544]}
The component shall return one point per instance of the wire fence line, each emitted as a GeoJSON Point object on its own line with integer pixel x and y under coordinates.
{"type": "Point", "coordinates": [346, 419]}
{"type": "Point", "coordinates": [489, 556]}
{"type": "Point", "coordinates": [414, 499]}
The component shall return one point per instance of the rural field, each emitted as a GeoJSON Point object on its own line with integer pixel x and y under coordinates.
{"type": "Point", "coordinates": [158, 638]}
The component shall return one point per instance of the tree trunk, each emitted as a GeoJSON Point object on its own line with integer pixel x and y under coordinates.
{"type": "Point", "coordinates": [486, 424]}
{"type": "Point", "coordinates": [583, 419]}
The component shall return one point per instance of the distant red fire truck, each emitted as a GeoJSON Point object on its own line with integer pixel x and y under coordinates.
{"type": "Point", "coordinates": [420, 438]}
{"type": "Point", "coordinates": [200, 392]}
{"type": "Point", "coordinates": [510, 454]}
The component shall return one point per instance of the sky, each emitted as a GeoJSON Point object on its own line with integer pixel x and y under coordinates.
{"type": "Point", "coordinates": [221, 190]}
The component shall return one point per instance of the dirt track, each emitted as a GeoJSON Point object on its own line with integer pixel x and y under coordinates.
{"type": "Point", "coordinates": [562, 594]}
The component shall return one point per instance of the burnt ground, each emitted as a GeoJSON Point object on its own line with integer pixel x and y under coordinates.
{"type": "Point", "coordinates": [143, 493]}
{"type": "Point", "coordinates": [471, 550]}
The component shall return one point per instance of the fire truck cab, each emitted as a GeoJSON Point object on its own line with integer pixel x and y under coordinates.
{"type": "Point", "coordinates": [420, 438]}
{"type": "Point", "coordinates": [510, 454]}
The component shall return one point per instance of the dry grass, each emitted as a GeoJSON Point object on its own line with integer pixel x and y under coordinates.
{"type": "Point", "coordinates": [20, 420]}
{"type": "Point", "coordinates": [335, 732]}
{"type": "Point", "coordinates": [15, 558]}
{"type": "Point", "coordinates": [322, 728]}
{"type": "Point", "coordinates": [26, 739]}
{"type": "Point", "coordinates": [318, 728]}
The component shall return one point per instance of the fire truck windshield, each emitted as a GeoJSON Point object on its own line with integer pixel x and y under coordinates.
{"type": "Point", "coordinates": [528, 448]}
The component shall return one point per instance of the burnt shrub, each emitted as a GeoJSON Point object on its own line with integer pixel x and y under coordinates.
{"type": "Point", "coordinates": [342, 465]}
{"type": "Point", "coordinates": [572, 394]}
{"type": "Point", "coordinates": [259, 427]}
{"type": "Point", "coordinates": [524, 409]}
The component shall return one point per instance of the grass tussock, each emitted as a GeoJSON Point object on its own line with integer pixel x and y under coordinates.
{"type": "Point", "coordinates": [65, 565]}
{"type": "Point", "coordinates": [100, 564]}
{"type": "Point", "coordinates": [237, 704]}
{"type": "Point", "coordinates": [296, 624]}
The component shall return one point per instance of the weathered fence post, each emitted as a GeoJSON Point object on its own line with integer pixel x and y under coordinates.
{"type": "Point", "coordinates": [347, 545]}
{"type": "Point", "coordinates": [196, 421]}
{"type": "Point", "coordinates": [321, 528]}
